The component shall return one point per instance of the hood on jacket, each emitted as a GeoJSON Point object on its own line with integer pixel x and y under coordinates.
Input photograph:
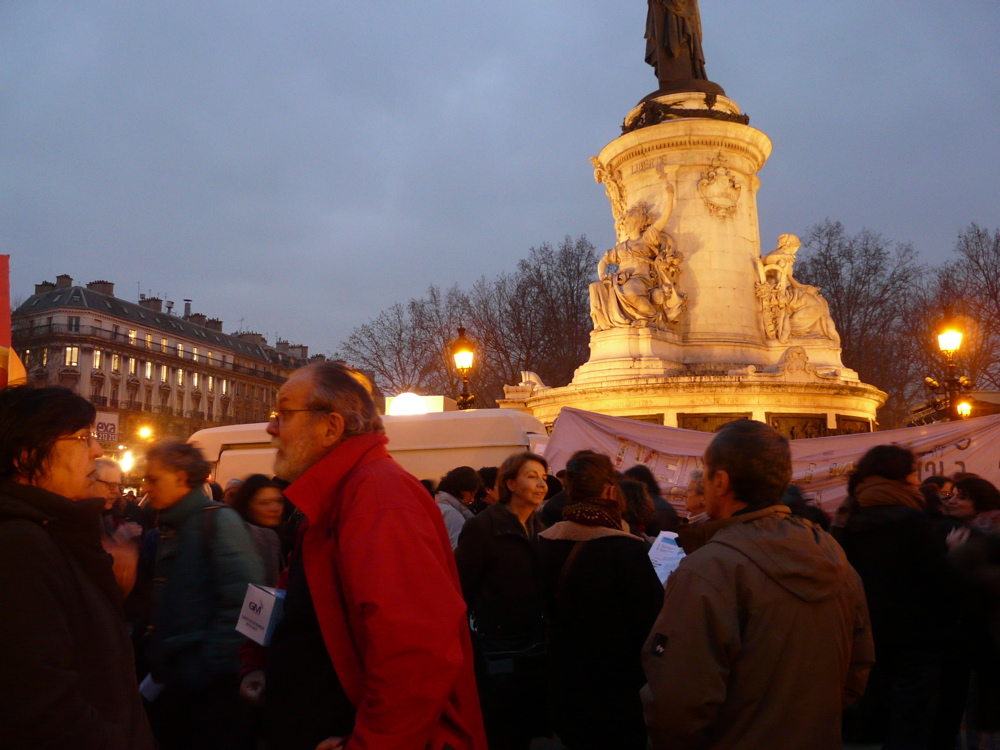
{"type": "Point", "coordinates": [793, 552]}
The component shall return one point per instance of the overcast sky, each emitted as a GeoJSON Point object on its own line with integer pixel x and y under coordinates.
{"type": "Point", "coordinates": [300, 165]}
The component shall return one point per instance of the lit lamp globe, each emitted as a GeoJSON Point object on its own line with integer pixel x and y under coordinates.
{"type": "Point", "coordinates": [145, 432]}
{"type": "Point", "coordinates": [407, 403]}
{"type": "Point", "coordinates": [964, 410]}
{"type": "Point", "coordinates": [463, 352]}
{"type": "Point", "coordinates": [949, 341]}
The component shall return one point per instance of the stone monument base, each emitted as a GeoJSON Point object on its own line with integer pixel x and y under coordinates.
{"type": "Point", "coordinates": [796, 404]}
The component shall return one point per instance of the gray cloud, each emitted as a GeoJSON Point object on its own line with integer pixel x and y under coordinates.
{"type": "Point", "coordinates": [301, 165]}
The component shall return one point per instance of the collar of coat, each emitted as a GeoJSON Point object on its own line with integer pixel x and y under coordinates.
{"type": "Point", "coordinates": [697, 535]}
{"type": "Point", "coordinates": [577, 532]}
{"type": "Point", "coordinates": [311, 492]}
{"type": "Point", "coordinates": [179, 512]}
{"type": "Point", "coordinates": [505, 521]}
{"type": "Point", "coordinates": [446, 498]}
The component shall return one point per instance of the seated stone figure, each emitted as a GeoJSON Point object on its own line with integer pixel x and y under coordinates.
{"type": "Point", "coordinates": [638, 276]}
{"type": "Point", "coordinates": [791, 310]}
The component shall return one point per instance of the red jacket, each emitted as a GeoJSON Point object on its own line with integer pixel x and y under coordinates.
{"type": "Point", "coordinates": [384, 584]}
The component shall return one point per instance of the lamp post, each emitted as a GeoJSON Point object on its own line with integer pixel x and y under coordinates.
{"type": "Point", "coordinates": [463, 352]}
{"type": "Point", "coordinates": [949, 342]}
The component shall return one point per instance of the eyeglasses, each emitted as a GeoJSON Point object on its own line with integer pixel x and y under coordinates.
{"type": "Point", "coordinates": [85, 439]}
{"type": "Point", "coordinates": [275, 417]}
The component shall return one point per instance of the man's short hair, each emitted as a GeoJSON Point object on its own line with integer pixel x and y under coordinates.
{"type": "Point", "coordinates": [342, 389]}
{"type": "Point", "coordinates": [757, 459]}
{"type": "Point", "coordinates": [109, 465]}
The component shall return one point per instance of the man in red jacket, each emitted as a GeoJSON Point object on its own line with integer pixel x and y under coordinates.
{"type": "Point", "coordinates": [373, 651]}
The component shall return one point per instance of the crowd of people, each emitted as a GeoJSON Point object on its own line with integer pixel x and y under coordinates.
{"type": "Point", "coordinates": [502, 605]}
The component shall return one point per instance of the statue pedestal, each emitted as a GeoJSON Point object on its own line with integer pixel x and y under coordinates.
{"type": "Point", "coordinates": [716, 357]}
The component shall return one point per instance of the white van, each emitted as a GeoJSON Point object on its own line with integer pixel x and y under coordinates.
{"type": "Point", "coordinates": [426, 445]}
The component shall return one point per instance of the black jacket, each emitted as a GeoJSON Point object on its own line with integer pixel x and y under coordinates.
{"type": "Point", "coordinates": [497, 571]}
{"type": "Point", "coordinates": [599, 615]}
{"type": "Point", "coordinates": [68, 676]}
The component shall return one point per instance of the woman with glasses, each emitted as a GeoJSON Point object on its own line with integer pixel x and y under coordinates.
{"type": "Point", "coordinates": [68, 676]}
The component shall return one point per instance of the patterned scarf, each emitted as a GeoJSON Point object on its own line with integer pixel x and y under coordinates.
{"type": "Point", "coordinates": [594, 512]}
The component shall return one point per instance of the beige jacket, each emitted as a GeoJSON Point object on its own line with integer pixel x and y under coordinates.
{"type": "Point", "coordinates": [762, 639]}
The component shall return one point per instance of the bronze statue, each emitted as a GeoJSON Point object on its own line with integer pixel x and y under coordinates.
{"type": "Point", "coordinates": [673, 46]}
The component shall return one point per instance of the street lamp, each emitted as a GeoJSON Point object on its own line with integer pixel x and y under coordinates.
{"type": "Point", "coordinates": [464, 354]}
{"type": "Point", "coordinates": [949, 342]}
{"type": "Point", "coordinates": [964, 410]}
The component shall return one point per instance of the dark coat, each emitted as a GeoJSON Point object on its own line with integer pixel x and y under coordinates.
{"type": "Point", "coordinates": [598, 620]}
{"type": "Point", "coordinates": [68, 676]}
{"type": "Point", "coordinates": [497, 571]}
{"type": "Point", "coordinates": [200, 585]}
{"type": "Point", "coordinates": [900, 556]}
{"type": "Point", "coordinates": [666, 518]}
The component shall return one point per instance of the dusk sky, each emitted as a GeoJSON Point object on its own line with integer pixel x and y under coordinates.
{"type": "Point", "coordinates": [301, 165]}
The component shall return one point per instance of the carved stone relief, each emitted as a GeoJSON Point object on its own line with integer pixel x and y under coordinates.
{"type": "Point", "coordinates": [615, 189]}
{"type": "Point", "coordinates": [720, 189]}
{"type": "Point", "coordinates": [791, 310]}
{"type": "Point", "coordinates": [637, 286]}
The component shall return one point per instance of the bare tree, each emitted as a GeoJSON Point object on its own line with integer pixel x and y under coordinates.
{"type": "Point", "coordinates": [536, 318]}
{"type": "Point", "coordinates": [873, 288]}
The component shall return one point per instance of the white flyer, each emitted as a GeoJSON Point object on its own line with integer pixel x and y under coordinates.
{"type": "Point", "coordinates": [665, 554]}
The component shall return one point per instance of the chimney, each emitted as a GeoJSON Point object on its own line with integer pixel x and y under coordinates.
{"type": "Point", "coordinates": [187, 309]}
{"type": "Point", "coordinates": [299, 351]}
{"type": "Point", "coordinates": [214, 324]}
{"type": "Point", "coordinates": [281, 345]}
{"type": "Point", "coordinates": [252, 337]}
{"type": "Point", "coordinates": [64, 281]}
{"type": "Point", "coordinates": [170, 307]}
{"type": "Point", "coordinates": [102, 287]}
{"type": "Point", "coordinates": [151, 303]}
{"type": "Point", "coordinates": [197, 318]}
{"type": "Point", "coordinates": [45, 286]}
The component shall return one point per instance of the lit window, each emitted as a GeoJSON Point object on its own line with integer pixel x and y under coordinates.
{"type": "Point", "coordinates": [194, 353]}
{"type": "Point", "coordinates": [45, 357]}
{"type": "Point", "coordinates": [180, 376]}
{"type": "Point", "coordinates": [194, 380]}
{"type": "Point", "coordinates": [72, 356]}
{"type": "Point", "coordinates": [180, 350]}
{"type": "Point", "coordinates": [211, 383]}
{"type": "Point", "coordinates": [27, 357]}
{"type": "Point", "coordinates": [209, 360]}
{"type": "Point", "coordinates": [225, 386]}
{"type": "Point", "coordinates": [131, 336]}
{"type": "Point", "coordinates": [73, 324]}
{"type": "Point", "coordinates": [163, 345]}
{"type": "Point", "coordinates": [116, 362]}
{"type": "Point", "coordinates": [149, 341]}
{"type": "Point", "coordinates": [132, 365]}
{"type": "Point", "coordinates": [98, 359]}
{"type": "Point", "coordinates": [163, 373]}
{"type": "Point", "coordinates": [149, 371]}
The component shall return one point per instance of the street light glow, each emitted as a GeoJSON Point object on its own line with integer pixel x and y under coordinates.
{"type": "Point", "coordinates": [964, 409]}
{"type": "Point", "coordinates": [145, 433]}
{"type": "Point", "coordinates": [949, 341]}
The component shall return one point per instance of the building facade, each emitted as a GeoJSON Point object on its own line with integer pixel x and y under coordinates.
{"type": "Point", "coordinates": [150, 372]}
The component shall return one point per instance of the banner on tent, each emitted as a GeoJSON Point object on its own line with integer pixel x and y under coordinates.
{"type": "Point", "coordinates": [820, 466]}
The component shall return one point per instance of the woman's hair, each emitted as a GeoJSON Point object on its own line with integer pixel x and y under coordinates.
{"type": "Point", "coordinates": [250, 487]}
{"type": "Point", "coordinates": [31, 420]}
{"type": "Point", "coordinates": [983, 494]}
{"type": "Point", "coordinates": [641, 473]}
{"type": "Point", "coordinates": [937, 481]}
{"type": "Point", "coordinates": [459, 480]}
{"type": "Point", "coordinates": [509, 470]}
{"type": "Point", "coordinates": [176, 455]}
{"type": "Point", "coordinates": [639, 509]}
{"type": "Point", "coordinates": [887, 461]}
{"type": "Point", "coordinates": [588, 475]}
